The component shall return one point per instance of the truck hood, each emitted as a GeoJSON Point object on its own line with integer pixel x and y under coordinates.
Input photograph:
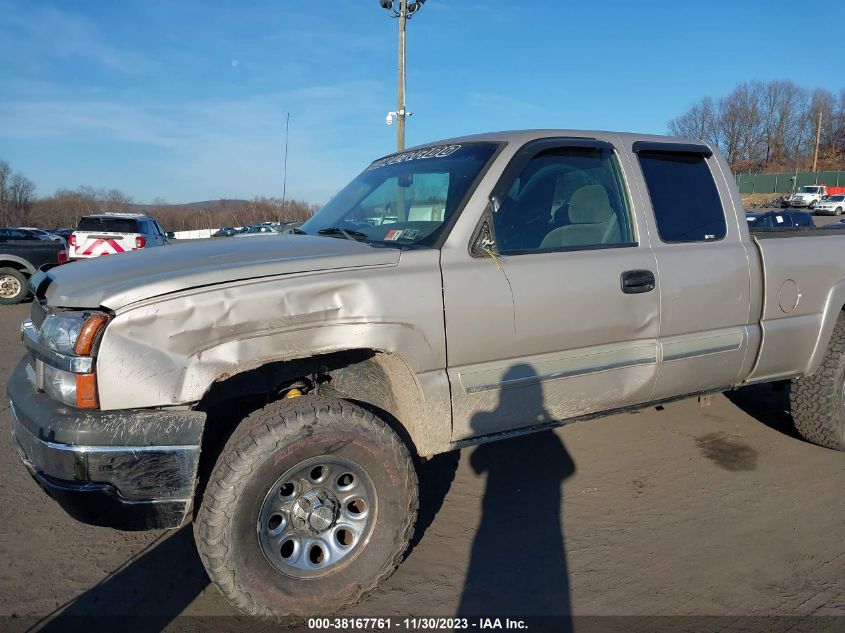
{"type": "Point", "coordinates": [116, 281]}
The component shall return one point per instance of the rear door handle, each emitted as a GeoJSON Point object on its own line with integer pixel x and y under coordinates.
{"type": "Point", "coordinates": [637, 281]}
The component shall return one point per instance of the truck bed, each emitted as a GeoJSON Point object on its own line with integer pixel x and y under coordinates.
{"type": "Point", "coordinates": [35, 253]}
{"type": "Point", "coordinates": [765, 233]}
{"type": "Point", "coordinates": [804, 287]}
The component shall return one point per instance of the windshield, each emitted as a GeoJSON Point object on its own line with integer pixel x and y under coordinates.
{"type": "Point", "coordinates": [835, 198]}
{"type": "Point", "coordinates": [809, 189]}
{"type": "Point", "coordinates": [404, 198]}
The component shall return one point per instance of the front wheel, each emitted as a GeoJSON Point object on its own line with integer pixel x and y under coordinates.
{"type": "Point", "coordinates": [817, 402]}
{"type": "Point", "coordinates": [309, 507]}
{"type": "Point", "coordinates": [838, 210]}
{"type": "Point", "coordinates": [12, 286]}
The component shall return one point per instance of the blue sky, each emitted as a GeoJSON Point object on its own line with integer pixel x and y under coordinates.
{"type": "Point", "coordinates": [186, 100]}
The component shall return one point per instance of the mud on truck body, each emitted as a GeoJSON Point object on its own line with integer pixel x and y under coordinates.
{"type": "Point", "coordinates": [279, 391]}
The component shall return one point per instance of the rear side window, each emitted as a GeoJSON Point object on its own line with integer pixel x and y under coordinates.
{"type": "Point", "coordinates": [684, 197]}
{"type": "Point", "coordinates": [802, 219]}
{"type": "Point", "coordinates": [108, 225]}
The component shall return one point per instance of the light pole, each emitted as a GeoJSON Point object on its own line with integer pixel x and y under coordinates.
{"type": "Point", "coordinates": [405, 12]}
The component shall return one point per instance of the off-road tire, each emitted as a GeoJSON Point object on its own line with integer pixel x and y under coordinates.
{"type": "Point", "coordinates": [816, 402]}
{"type": "Point", "coordinates": [266, 444]}
{"type": "Point", "coordinates": [16, 275]}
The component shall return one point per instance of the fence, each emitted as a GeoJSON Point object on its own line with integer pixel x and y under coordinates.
{"type": "Point", "coordinates": [783, 182]}
{"type": "Point", "coordinates": [194, 235]}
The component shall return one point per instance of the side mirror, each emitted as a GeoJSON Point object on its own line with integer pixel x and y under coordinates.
{"type": "Point", "coordinates": [171, 235]}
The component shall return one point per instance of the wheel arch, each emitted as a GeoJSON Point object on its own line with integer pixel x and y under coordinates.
{"type": "Point", "coordinates": [378, 380]}
{"type": "Point", "coordinates": [833, 307]}
{"type": "Point", "coordinates": [11, 261]}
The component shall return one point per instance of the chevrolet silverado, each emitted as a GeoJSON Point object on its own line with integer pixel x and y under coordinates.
{"type": "Point", "coordinates": [279, 390]}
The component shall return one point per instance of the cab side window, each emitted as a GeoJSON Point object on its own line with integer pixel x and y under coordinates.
{"type": "Point", "coordinates": [683, 195]}
{"type": "Point", "coordinates": [565, 199]}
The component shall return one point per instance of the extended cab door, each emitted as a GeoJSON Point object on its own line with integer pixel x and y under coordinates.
{"type": "Point", "coordinates": [552, 309]}
{"type": "Point", "coordinates": [703, 267]}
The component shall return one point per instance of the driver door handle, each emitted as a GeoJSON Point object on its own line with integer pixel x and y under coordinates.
{"type": "Point", "coordinates": [637, 281]}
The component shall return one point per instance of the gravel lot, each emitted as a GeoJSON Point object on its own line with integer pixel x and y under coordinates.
{"type": "Point", "coordinates": [675, 512]}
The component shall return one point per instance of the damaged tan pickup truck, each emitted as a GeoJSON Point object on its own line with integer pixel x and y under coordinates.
{"type": "Point", "coordinates": [280, 390]}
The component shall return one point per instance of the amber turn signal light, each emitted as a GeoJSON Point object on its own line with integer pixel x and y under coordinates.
{"type": "Point", "coordinates": [92, 327]}
{"type": "Point", "coordinates": [86, 391]}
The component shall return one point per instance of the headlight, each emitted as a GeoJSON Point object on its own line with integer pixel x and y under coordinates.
{"type": "Point", "coordinates": [60, 385]}
{"type": "Point", "coordinates": [72, 333]}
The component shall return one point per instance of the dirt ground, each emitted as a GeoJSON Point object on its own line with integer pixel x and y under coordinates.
{"type": "Point", "coordinates": [683, 511]}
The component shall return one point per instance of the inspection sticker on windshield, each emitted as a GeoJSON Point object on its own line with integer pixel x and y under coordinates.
{"type": "Point", "coordinates": [438, 151]}
{"type": "Point", "coordinates": [409, 234]}
{"type": "Point", "coordinates": [400, 234]}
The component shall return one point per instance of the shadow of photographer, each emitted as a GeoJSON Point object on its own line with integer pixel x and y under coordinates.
{"type": "Point", "coordinates": [518, 562]}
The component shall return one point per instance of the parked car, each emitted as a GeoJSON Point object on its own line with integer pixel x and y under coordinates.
{"type": "Point", "coordinates": [567, 284]}
{"type": "Point", "coordinates": [225, 232]}
{"type": "Point", "coordinates": [45, 235]}
{"type": "Point", "coordinates": [21, 254]}
{"type": "Point", "coordinates": [831, 205]}
{"type": "Point", "coordinates": [779, 219]}
{"type": "Point", "coordinates": [23, 234]}
{"type": "Point", "coordinates": [113, 233]}
{"type": "Point", "coordinates": [63, 233]}
{"type": "Point", "coordinates": [259, 229]}
{"type": "Point", "coordinates": [291, 226]}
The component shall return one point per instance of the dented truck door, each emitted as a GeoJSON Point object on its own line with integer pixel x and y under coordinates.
{"type": "Point", "coordinates": [552, 312]}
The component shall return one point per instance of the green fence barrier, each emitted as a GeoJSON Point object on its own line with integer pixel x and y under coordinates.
{"type": "Point", "coordinates": [783, 182]}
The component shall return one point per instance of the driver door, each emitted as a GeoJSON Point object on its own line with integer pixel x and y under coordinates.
{"type": "Point", "coordinates": [560, 319]}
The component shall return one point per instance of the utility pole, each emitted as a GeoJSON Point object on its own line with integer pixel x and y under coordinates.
{"type": "Point", "coordinates": [818, 137]}
{"type": "Point", "coordinates": [285, 178]}
{"type": "Point", "coordinates": [400, 106]}
{"type": "Point", "coordinates": [406, 10]}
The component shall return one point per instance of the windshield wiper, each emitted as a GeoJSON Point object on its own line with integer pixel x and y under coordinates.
{"type": "Point", "coordinates": [349, 234]}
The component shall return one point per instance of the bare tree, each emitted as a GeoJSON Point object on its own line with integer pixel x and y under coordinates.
{"type": "Point", "coordinates": [17, 196]}
{"type": "Point", "coordinates": [769, 125]}
{"type": "Point", "coordinates": [700, 121]}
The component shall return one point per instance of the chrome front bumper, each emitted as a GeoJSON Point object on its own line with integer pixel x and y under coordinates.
{"type": "Point", "coordinates": [131, 469]}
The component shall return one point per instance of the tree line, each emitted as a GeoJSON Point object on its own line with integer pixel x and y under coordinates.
{"type": "Point", "coordinates": [770, 126]}
{"type": "Point", "coordinates": [17, 196]}
{"type": "Point", "coordinates": [19, 206]}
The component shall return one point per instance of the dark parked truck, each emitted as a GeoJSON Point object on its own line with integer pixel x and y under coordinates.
{"type": "Point", "coordinates": [20, 257]}
{"type": "Point", "coordinates": [280, 389]}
